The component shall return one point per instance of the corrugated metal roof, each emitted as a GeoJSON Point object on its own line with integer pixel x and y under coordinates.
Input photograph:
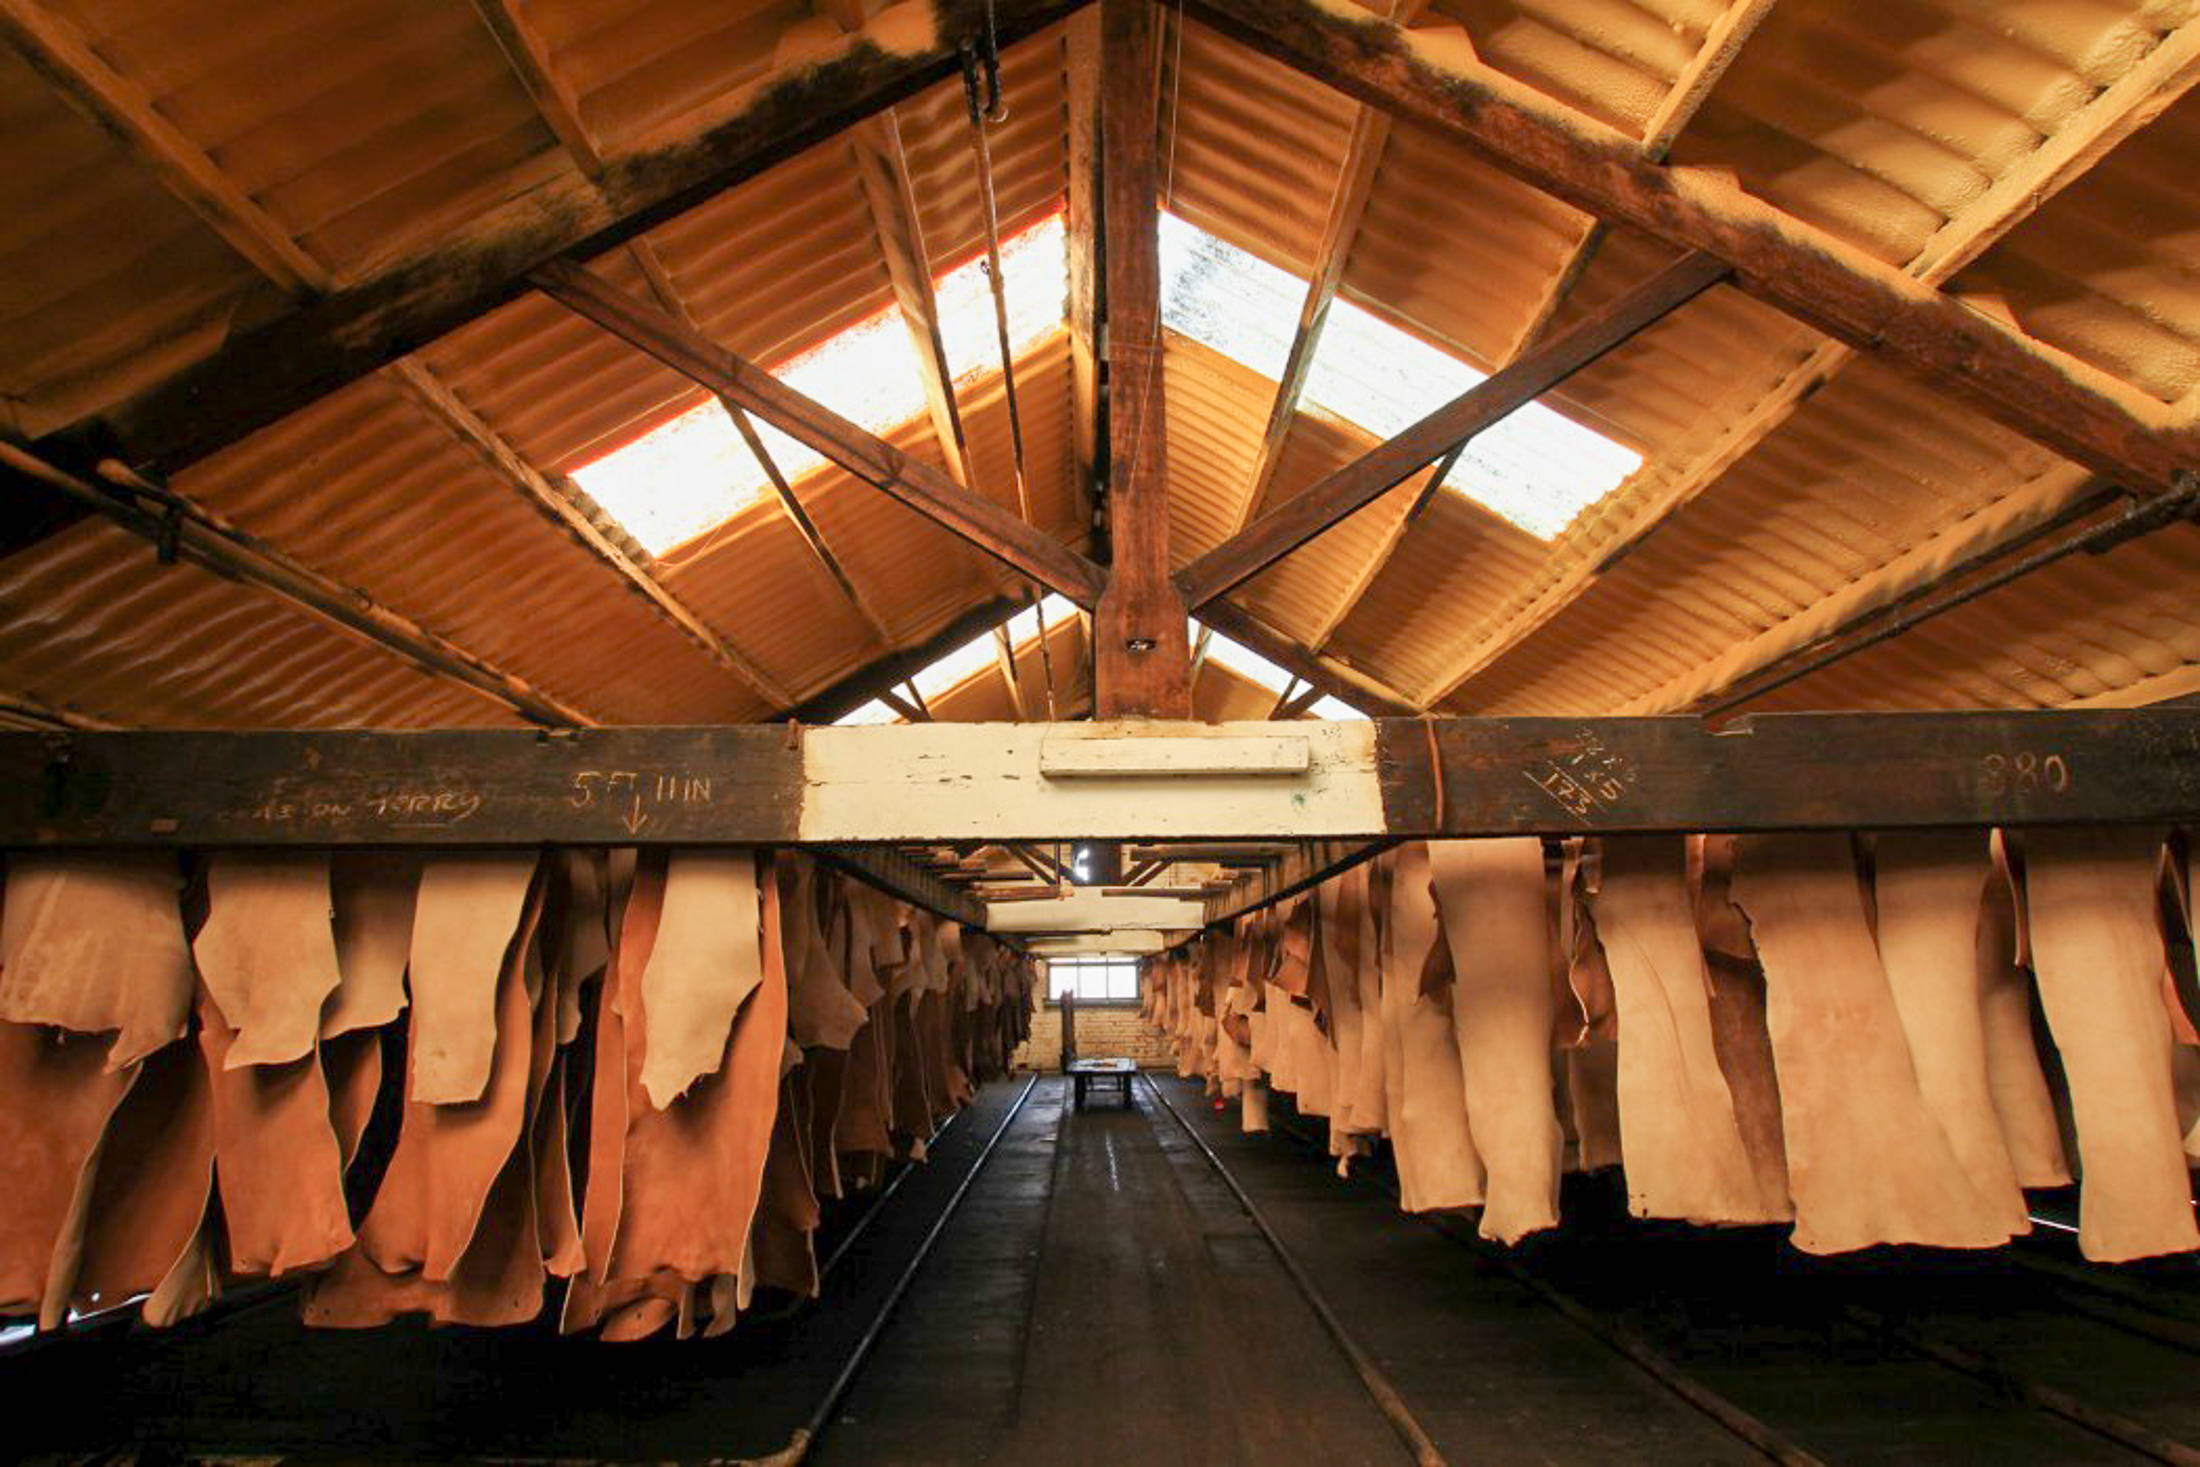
{"type": "Point", "coordinates": [368, 131]}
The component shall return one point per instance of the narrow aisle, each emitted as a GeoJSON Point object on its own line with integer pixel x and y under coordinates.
{"type": "Point", "coordinates": [1149, 1323]}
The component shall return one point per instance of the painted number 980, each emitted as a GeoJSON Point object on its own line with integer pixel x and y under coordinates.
{"type": "Point", "coordinates": [2026, 773]}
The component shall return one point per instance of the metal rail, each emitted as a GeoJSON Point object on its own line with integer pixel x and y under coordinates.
{"type": "Point", "coordinates": [1386, 1396]}
{"type": "Point", "coordinates": [804, 1440]}
{"type": "Point", "coordinates": [1618, 1338]}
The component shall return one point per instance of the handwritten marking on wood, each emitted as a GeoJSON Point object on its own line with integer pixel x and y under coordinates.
{"type": "Point", "coordinates": [1588, 778]}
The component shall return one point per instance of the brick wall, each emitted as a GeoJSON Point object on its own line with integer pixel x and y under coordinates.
{"type": "Point", "coordinates": [1102, 1032]}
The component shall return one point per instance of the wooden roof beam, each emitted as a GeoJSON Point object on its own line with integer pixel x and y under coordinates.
{"type": "Point", "coordinates": [2075, 409]}
{"type": "Point", "coordinates": [912, 482]}
{"type": "Point", "coordinates": [883, 168]}
{"type": "Point", "coordinates": [555, 99]}
{"type": "Point", "coordinates": [1004, 658]}
{"type": "Point", "coordinates": [263, 374]}
{"type": "Point", "coordinates": [2156, 80]}
{"type": "Point", "coordinates": [435, 398]}
{"type": "Point", "coordinates": [1338, 679]}
{"type": "Point", "coordinates": [1141, 649]}
{"type": "Point", "coordinates": [1389, 464]}
{"type": "Point", "coordinates": [1363, 158]}
{"type": "Point", "coordinates": [62, 54]}
{"type": "Point", "coordinates": [661, 286]}
{"type": "Point", "coordinates": [190, 532]}
{"type": "Point", "coordinates": [882, 675]}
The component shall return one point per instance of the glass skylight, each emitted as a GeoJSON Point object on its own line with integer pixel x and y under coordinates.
{"type": "Point", "coordinates": [1035, 269]}
{"type": "Point", "coordinates": [971, 657]}
{"type": "Point", "coordinates": [685, 476]}
{"type": "Point", "coordinates": [1537, 468]}
{"type": "Point", "coordinates": [1253, 667]}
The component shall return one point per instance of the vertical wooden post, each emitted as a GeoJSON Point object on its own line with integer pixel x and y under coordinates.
{"type": "Point", "coordinates": [1141, 651]}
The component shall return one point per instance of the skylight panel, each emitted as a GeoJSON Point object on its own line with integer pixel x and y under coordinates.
{"type": "Point", "coordinates": [1233, 301]}
{"type": "Point", "coordinates": [978, 652]}
{"type": "Point", "coordinates": [677, 480]}
{"type": "Point", "coordinates": [694, 472]}
{"type": "Point", "coordinates": [869, 713]}
{"type": "Point", "coordinates": [1538, 468]}
{"type": "Point", "coordinates": [1244, 661]}
{"type": "Point", "coordinates": [1035, 279]}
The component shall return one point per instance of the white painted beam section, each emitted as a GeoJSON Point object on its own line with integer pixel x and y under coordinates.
{"type": "Point", "coordinates": [1118, 751]}
{"type": "Point", "coordinates": [1093, 911]}
{"type": "Point", "coordinates": [985, 781]}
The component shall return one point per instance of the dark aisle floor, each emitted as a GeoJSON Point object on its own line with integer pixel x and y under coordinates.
{"type": "Point", "coordinates": [1159, 1329]}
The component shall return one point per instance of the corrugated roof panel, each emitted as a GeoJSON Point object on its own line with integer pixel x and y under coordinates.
{"type": "Point", "coordinates": [757, 583]}
{"type": "Point", "coordinates": [1222, 696]}
{"type": "Point", "coordinates": [916, 574]}
{"type": "Point", "coordinates": [1863, 471]}
{"type": "Point", "coordinates": [641, 64]}
{"type": "Point", "coordinates": [1250, 149]}
{"type": "Point", "coordinates": [2109, 269]}
{"type": "Point", "coordinates": [1303, 592]}
{"type": "Point", "coordinates": [107, 282]}
{"type": "Point", "coordinates": [2088, 627]}
{"type": "Point", "coordinates": [560, 390]}
{"type": "Point", "coordinates": [1868, 122]}
{"type": "Point", "coordinates": [360, 125]}
{"type": "Point", "coordinates": [788, 259]}
{"type": "Point", "coordinates": [1676, 385]}
{"type": "Point", "coordinates": [1453, 567]}
{"type": "Point", "coordinates": [367, 488]}
{"type": "Point", "coordinates": [1044, 406]}
{"type": "Point", "coordinates": [1613, 59]}
{"type": "Point", "coordinates": [1030, 151]}
{"type": "Point", "coordinates": [92, 623]}
{"type": "Point", "coordinates": [1216, 411]}
{"type": "Point", "coordinates": [1426, 256]}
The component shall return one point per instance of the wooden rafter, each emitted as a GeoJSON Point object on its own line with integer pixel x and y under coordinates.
{"type": "Point", "coordinates": [1363, 158]}
{"type": "Point", "coordinates": [2046, 394]}
{"type": "Point", "coordinates": [1141, 650]}
{"type": "Point", "coordinates": [1389, 464]}
{"type": "Point", "coordinates": [912, 482]}
{"type": "Point", "coordinates": [61, 53]}
{"type": "Point", "coordinates": [531, 62]}
{"type": "Point", "coordinates": [668, 296]}
{"type": "Point", "coordinates": [192, 533]}
{"type": "Point", "coordinates": [1898, 595]}
{"type": "Point", "coordinates": [1004, 658]}
{"type": "Point", "coordinates": [265, 373]}
{"type": "Point", "coordinates": [882, 167]}
{"type": "Point", "coordinates": [884, 673]}
{"type": "Point", "coordinates": [435, 398]}
{"type": "Point", "coordinates": [1338, 679]}
{"type": "Point", "coordinates": [2164, 74]}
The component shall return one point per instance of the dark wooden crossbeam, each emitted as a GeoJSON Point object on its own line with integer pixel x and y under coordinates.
{"type": "Point", "coordinates": [1799, 269]}
{"type": "Point", "coordinates": [765, 785]}
{"type": "Point", "coordinates": [1389, 464]}
{"type": "Point", "coordinates": [973, 517]}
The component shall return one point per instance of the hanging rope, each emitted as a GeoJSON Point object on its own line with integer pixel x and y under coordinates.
{"type": "Point", "coordinates": [981, 68]}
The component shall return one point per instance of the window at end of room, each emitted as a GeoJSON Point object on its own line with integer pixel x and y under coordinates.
{"type": "Point", "coordinates": [1100, 979]}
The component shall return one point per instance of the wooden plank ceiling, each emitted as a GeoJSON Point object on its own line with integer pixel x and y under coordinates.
{"type": "Point", "coordinates": [194, 189]}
